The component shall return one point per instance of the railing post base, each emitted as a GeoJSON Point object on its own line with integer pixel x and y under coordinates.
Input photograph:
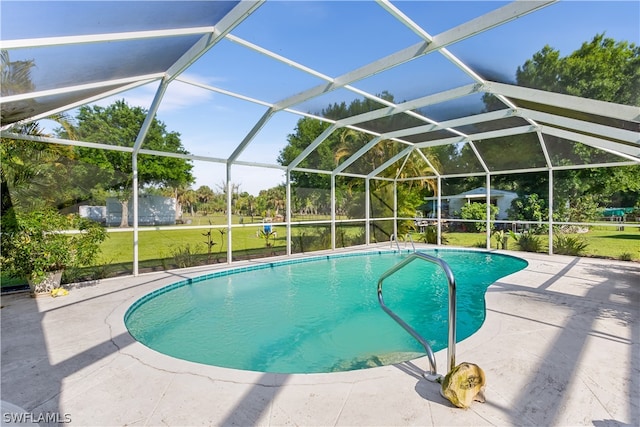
{"type": "Point", "coordinates": [433, 377]}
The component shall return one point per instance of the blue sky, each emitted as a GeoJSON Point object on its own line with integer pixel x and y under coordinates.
{"type": "Point", "coordinates": [335, 37]}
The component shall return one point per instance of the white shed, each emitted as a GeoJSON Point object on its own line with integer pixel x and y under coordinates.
{"type": "Point", "coordinates": [152, 210]}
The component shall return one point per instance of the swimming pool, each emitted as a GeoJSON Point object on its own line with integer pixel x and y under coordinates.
{"type": "Point", "coordinates": [317, 314]}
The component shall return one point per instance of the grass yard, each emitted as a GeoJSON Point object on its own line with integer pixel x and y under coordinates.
{"type": "Point", "coordinates": [163, 244]}
{"type": "Point", "coordinates": [164, 249]}
{"type": "Point", "coordinates": [159, 244]}
{"type": "Point", "coordinates": [601, 242]}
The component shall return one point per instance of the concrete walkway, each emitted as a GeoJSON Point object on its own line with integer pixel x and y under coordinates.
{"type": "Point", "coordinates": [560, 346]}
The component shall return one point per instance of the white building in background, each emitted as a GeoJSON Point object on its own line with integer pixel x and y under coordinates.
{"type": "Point", "coordinates": [500, 198]}
{"type": "Point", "coordinates": [152, 210]}
{"type": "Point", "coordinates": [452, 205]}
{"type": "Point", "coordinates": [94, 213]}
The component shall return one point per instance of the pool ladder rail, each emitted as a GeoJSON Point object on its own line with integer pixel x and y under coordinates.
{"type": "Point", "coordinates": [408, 238]}
{"type": "Point", "coordinates": [432, 374]}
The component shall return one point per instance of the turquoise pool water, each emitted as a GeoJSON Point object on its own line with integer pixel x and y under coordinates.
{"type": "Point", "coordinates": [317, 314]}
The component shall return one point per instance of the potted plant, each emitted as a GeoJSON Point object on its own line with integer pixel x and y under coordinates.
{"type": "Point", "coordinates": [37, 246]}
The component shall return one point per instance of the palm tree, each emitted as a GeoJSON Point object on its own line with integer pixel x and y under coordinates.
{"type": "Point", "coordinates": [15, 78]}
{"type": "Point", "coordinates": [185, 196]}
{"type": "Point", "coordinates": [413, 165]}
{"type": "Point", "coordinates": [28, 169]}
{"type": "Point", "coordinates": [205, 194]}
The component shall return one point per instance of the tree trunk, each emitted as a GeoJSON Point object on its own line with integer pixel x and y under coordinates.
{"type": "Point", "coordinates": [178, 214]}
{"type": "Point", "coordinates": [124, 222]}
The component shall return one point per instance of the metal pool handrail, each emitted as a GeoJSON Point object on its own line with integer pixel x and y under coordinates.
{"type": "Point", "coordinates": [408, 236]}
{"type": "Point", "coordinates": [431, 375]}
{"type": "Point", "coordinates": [394, 238]}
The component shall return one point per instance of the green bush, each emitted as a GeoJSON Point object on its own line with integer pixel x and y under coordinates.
{"type": "Point", "coordinates": [430, 235]}
{"type": "Point", "coordinates": [35, 243]}
{"type": "Point", "coordinates": [527, 241]}
{"type": "Point", "coordinates": [184, 256]}
{"type": "Point", "coordinates": [528, 208]}
{"type": "Point", "coordinates": [568, 245]}
{"type": "Point", "coordinates": [478, 212]}
{"type": "Point", "coordinates": [501, 237]}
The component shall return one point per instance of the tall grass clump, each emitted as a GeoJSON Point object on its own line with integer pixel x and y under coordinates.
{"type": "Point", "coordinates": [184, 256]}
{"type": "Point", "coordinates": [430, 235]}
{"type": "Point", "coordinates": [569, 245]}
{"type": "Point", "coordinates": [527, 241]}
{"type": "Point", "coordinates": [626, 256]}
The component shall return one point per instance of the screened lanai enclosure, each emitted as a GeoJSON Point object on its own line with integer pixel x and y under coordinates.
{"type": "Point", "coordinates": [323, 124]}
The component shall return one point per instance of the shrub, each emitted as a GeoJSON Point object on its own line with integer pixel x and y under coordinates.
{"type": "Point", "coordinates": [568, 245]}
{"type": "Point", "coordinates": [527, 241]}
{"type": "Point", "coordinates": [501, 238]}
{"type": "Point", "coordinates": [478, 212]}
{"type": "Point", "coordinates": [579, 209]}
{"type": "Point", "coordinates": [35, 243]}
{"type": "Point", "coordinates": [528, 208]}
{"type": "Point", "coordinates": [430, 235]}
{"type": "Point", "coordinates": [184, 256]}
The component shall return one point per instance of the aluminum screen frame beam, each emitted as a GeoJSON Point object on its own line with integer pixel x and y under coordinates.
{"type": "Point", "coordinates": [622, 150]}
{"type": "Point", "coordinates": [104, 37]}
{"type": "Point", "coordinates": [228, 22]}
{"type": "Point", "coordinates": [570, 102]}
{"type": "Point", "coordinates": [85, 101]}
{"type": "Point", "coordinates": [633, 138]}
{"type": "Point", "coordinates": [461, 32]}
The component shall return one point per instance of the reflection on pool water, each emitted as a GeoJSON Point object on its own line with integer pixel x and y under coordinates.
{"type": "Point", "coordinates": [317, 314]}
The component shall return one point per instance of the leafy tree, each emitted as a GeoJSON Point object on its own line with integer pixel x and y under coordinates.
{"type": "Point", "coordinates": [528, 208]}
{"type": "Point", "coordinates": [20, 176]}
{"type": "Point", "coordinates": [305, 133]}
{"type": "Point", "coordinates": [28, 169]}
{"type": "Point", "coordinates": [119, 124]}
{"type": "Point", "coordinates": [235, 192]}
{"type": "Point", "coordinates": [37, 174]}
{"type": "Point", "coordinates": [602, 69]}
{"type": "Point", "coordinates": [246, 204]}
{"type": "Point", "coordinates": [272, 202]}
{"type": "Point", "coordinates": [186, 197]}
{"type": "Point", "coordinates": [204, 194]}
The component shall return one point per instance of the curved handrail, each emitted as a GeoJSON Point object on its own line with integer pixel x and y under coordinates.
{"type": "Point", "coordinates": [451, 348]}
{"type": "Point", "coordinates": [408, 236]}
{"type": "Point", "coordinates": [394, 238]}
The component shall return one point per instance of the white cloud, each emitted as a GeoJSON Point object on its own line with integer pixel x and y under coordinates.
{"type": "Point", "coordinates": [179, 95]}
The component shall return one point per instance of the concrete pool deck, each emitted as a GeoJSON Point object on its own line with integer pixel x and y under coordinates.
{"type": "Point", "coordinates": [560, 346]}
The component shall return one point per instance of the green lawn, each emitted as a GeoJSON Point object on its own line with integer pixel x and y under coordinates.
{"type": "Point", "coordinates": [164, 244]}
{"type": "Point", "coordinates": [157, 248]}
{"type": "Point", "coordinates": [163, 249]}
{"type": "Point", "coordinates": [602, 243]}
